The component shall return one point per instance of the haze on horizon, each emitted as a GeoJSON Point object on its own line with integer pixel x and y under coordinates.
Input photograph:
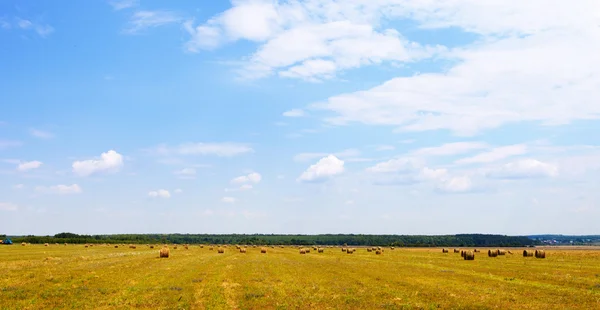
{"type": "Point", "coordinates": [308, 117]}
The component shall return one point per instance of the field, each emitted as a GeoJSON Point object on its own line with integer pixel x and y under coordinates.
{"type": "Point", "coordinates": [104, 277]}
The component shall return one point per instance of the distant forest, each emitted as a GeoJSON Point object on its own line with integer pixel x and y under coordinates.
{"type": "Point", "coordinates": [462, 240]}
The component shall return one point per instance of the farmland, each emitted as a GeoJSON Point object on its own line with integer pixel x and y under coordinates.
{"type": "Point", "coordinates": [104, 277]}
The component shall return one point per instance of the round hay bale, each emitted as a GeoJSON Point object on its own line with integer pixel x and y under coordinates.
{"type": "Point", "coordinates": [320, 250]}
{"type": "Point", "coordinates": [221, 250]}
{"type": "Point", "coordinates": [378, 252]}
{"type": "Point", "coordinates": [343, 249]}
{"type": "Point", "coordinates": [65, 244]}
{"type": "Point", "coordinates": [302, 251]}
{"type": "Point", "coordinates": [392, 248]}
{"type": "Point", "coordinates": [23, 244]}
{"type": "Point", "coordinates": [492, 253]}
{"type": "Point", "coordinates": [210, 248]}
{"type": "Point", "coordinates": [469, 255]}
{"type": "Point", "coordinates": [501, 252]}
{"type": "Point", "coordinates": [456, 251]}
{"type": "Point", "coordinates": [132, 246]}
{"type": "Point", "coordinates": [116, 246]}
{"type": "Point", "coordinates": [45, 244]}
{"type": "Point", "coordinates": [462, 253]}
{"type": "Point", "coordinates": [476, 251]}
{"type": "Point", "coordinates": [263, 250]}
{"type": "Point", "coordinates": [307, 250]}
{"type": "Point", "coordinates": [202, 246]}
{"type": "Point", "coordinates": [527, 253]}
{"type": "Point", "coordinates": [444, 250]}
{"type": "Point", "coordinates": [540, 254]}
{"type": "Point", "coordinates": [152, 247]}
{"type": "Point", "coordinates": [175, 248]}
{"type": "Point", "coordinates": [242, 250]}
{"type": "Point", "coordinates": [369, 250]}
{"type": "Point", "coordinates": [164, 252]}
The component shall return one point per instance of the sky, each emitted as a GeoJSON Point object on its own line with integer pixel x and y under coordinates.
{"type": "Point", "coordinates": [316, 116]}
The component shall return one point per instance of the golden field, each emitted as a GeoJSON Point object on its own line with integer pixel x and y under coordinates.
{"type": "Point", "coordinates": [104, 277]}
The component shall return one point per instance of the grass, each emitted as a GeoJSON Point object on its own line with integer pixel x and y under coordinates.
{"type": "Point", "coordinates": [102, 277]}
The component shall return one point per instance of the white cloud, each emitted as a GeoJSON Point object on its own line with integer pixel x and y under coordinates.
{"type": "Point", "coordinates": [161, 193]}
{"type": "Point", "coordinates": [434, 174]}
{"type": "Point", "coordinates": [495, 154]}
{"type": "Point", "coordinates": [178, 191]}
{"type": "Point", "coordinates": [525, 168]}
{"type": "Point", "coordinates": [310, 40]}
{"type": "Point", "coordinates": [143, 20]}
{"type": "Point", "coordinates": [228, 199]}
{"type": "Point", "coordinates": [345, 154]}
{"type": "Point", "coordinates": [253, 177]}
{"type": "Point", "coordinates": [456, 185]}
{"type": "Point", "coordinates": [109, 162]}
{"type": "Point", "coordinates": [246, 187]}
{"type": "Point", "coordinates": [29, 165]}
{"type": "Point", "coordinates": [59, 189]}
{"type": "Point", "coordinates": [225, 149]}
{"type": "Point", "coordinates": [397, 165]}
{"type": "Point", "coordinates": [448, 149]}
{"type": "Point", "coordinates": [294, 113]}
{"type": "Point", "coordinates": [324, 169]}
{"type": "Point", "coordinates": [42, 30]}
{"type": "Point", "coordinates": [41, 134]}
{"type": "Point", "coordinates": [123, 4]}
{"type": "Point", "coordinates": [511, 75]}
{"type": "Point", "coordinates": [186, 173]}
{"type": "Point", "coordinates": [7, 206]}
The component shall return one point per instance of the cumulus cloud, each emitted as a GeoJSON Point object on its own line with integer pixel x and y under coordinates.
{"type": "Point", "coordinates": [345, 154]}
{"type": "Point", "coordinates": [510, 75]}
{"type": "Point", "coordinates": [29, 165]}
{"type": "Point", "coordinates": [324, 169]}
{"type": "Point", "coordinates": [228, 199]}
{"type": "Point", "coordinates": [253, 177]}
{"type": "Point", "coordinates": [109, 162]}
{"type": "Point", "coordinates": [161, 193]}
{"type": "Point", "coordinates": [310, 40]}
{"type": "Point", "coordinates": [59, 189]}
{"type": "Point", "coordinates": [294, 113]}
{"type": "Point", "coordinates": [397, 165]}
{"type": "Point", "coordinates": [524, 169]}
{"type": "Point", "coordinates": [456, 185]}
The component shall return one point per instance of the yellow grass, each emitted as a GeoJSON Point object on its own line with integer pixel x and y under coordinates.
{"type": "Point", "coordinates": [38, 277]}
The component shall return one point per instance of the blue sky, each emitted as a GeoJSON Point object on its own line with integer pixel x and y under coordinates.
{"type": "Point", "coordinates": [251, 116]}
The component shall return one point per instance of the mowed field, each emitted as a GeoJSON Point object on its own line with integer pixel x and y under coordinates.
{"type": "Point", "coordinates": [104, 277]}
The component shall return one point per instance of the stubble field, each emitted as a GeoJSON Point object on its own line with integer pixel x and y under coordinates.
{"type": "Point", "coordinates": [104, 277]}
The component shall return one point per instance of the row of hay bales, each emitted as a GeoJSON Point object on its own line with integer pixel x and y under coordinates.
{"type": "Point", "coordinates": [470, 255]}
{"type": "Point", "coordinates": [536, 253]}
{"type": "Point", "coordinates": [317, 249]}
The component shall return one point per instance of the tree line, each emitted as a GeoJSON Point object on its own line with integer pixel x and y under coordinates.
{"type": "Point", "coordinates": [461, 240]}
